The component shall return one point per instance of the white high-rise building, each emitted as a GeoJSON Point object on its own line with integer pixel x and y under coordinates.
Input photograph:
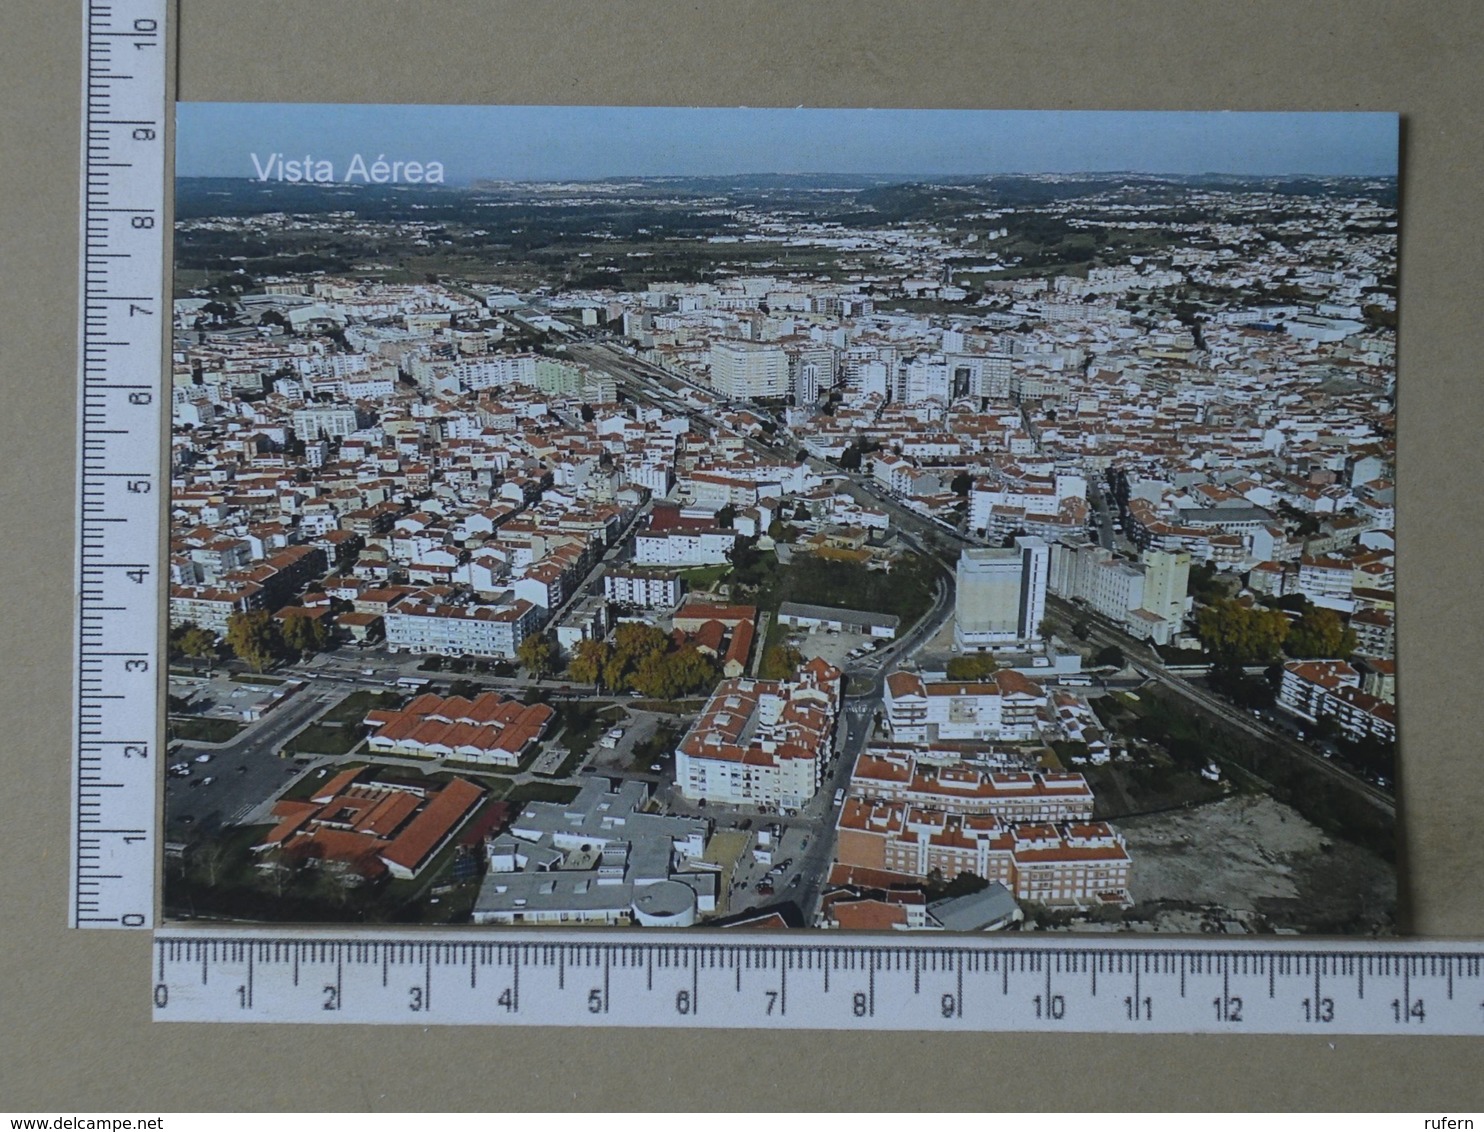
{"type": "Point", "coordinates": [1001, 598]}
{"type": "Point", "coordinates": [1166, 578]}
{"type": "Point", "coordinates": [743, 370]}
{"type": "Point", "coordinates": [812, 372]}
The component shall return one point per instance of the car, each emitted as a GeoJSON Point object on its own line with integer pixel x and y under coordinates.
{"type": "Point", "coordinates": [177, 768]}
{"type": "Point", "coordinates": [242, 768]}
{"type": "Point", "coordinates": [656, 766]}
{"type": "Point", "coordinates": [795, 880]}
{"type": "Point", "coordinates": [203, 757]}
{"type": "Point", "coordinates": [186, 819]}
{"type": "Point", "coordinates": [763, 887]}
{"type": "Point", "coordinates": [208, 780]}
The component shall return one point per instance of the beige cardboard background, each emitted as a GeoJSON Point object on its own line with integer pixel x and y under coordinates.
{"type": "Point", "coordinates": [75, 1031]}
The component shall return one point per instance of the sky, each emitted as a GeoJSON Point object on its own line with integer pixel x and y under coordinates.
{"type": "Point", "coordinates": [522, 143]}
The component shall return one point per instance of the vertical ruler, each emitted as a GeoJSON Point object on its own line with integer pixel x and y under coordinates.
{"type": "Point", "coordinates": [122, 308]}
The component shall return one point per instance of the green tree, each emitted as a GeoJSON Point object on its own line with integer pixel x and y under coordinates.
{"type": "Point", "coordinates": [1202, 583]}
{"type": "Point", "coordinates": [1110, 657]}
{"type": "Point", "coordinates": [801, 512]}
{"type": "Point", "coordinates": [1320, 633]}
{"type": "Point", "coordinates": [779, 531]}
{"type": "Point", "coordinates": [973, 667]}
{"type": "Point", "coordinates": [654, 675]}
{"type": "Point", "coordinates": [588, 660]}
{"type": "Point", "coordinates": [632, 642]}
{"type": "Point", "coordinates": [1235, 633]}
{"type": "Point", "coordinates": [693, 670]}
{"type": "Point", "coordinates": [961, 483]}
{"type": "Point", "coordinates": [199, 644]}
{"type": "Point", "coordinates": [780, 662]}
{"type": "Point", "coordinates": [304, 634]}
{"type": "Point", "coordinates": [254, 638]}
{"type": "Point", "coordinates": [726, 516]}
{"type": "Point", "coordinates": [537, 654]}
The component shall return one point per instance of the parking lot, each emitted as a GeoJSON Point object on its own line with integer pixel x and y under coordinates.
{"type": "Point", "coordinates": [837, 648]}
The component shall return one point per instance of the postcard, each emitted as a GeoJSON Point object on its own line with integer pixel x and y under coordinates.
{"type": "Point", "coordinates": [892, 520]}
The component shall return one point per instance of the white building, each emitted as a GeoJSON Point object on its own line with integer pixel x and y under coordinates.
{"type": "Point", "coordinates": [743, 370]}
{"type": "Point", "coordinates": [762, 742]}
{"type": "Point", "coordinates": [598, 860]}
{"type": "Point", "coordinates": [460, 630]}
{"type": "Point", "coordinates": [1001, 594]}
{"type": "Point", "coordinates": [324, 421]}
{"type": "Point", "coordinates": [683, 548]}
{"type": "Point", "coordinates": [647, 589]}
{"type": "Point", "coordinates": [1005, 705]}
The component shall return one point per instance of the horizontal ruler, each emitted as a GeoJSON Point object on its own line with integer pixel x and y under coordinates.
{"type": "Point", "coordinates": [122, 308]}
{"type": "Point", "coordinates": [1000, 983]}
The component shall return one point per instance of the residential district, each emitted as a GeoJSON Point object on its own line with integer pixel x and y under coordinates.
{"type": "Point", "coordinates": [915, 592]}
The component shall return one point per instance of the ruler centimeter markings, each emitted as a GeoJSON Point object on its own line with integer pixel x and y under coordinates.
{"type": "Point", "coordinates": [121, 303]}
{"type": "Point", "coordinates": [1024, 984]}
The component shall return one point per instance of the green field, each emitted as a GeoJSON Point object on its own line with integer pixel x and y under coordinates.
{"type": "Point", "coordinates": [203, 730]}
{"type": "Point", "coordinates": [324, 739]}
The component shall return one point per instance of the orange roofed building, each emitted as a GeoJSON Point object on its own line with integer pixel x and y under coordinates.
{"type": "Point", "coordinates": [762, 742]}
{"type": "Point", "coordinates": [1004, 705]}
{"type": "Point", "coordinates": [367, 829]}
{"type": "Point", "coordinates": [893, 774]}
{"type": "Point", "coordinates": [1080, 863]}
{"type": "Point", "coordinates": [488, 730]}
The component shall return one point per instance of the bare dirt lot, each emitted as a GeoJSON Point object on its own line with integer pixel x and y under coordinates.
{"type": "Point", "coordinates": [1254, 861]}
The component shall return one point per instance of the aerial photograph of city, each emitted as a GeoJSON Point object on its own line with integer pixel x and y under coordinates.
{"type": "Point", "coordinates": [888, 520]}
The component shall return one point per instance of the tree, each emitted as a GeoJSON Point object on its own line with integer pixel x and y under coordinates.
{"type": "Point", "coordinates": [779, 531]}
{"type": "Point", "coordinates": [746, 559]}
{"type": "Point", "coordinates": [588, 660]}
{"type": "Point", "coordinates": [1320, 633]}
{"type": "Point", "coordinates": [780, 662]}
{"type": "Point", "coordinates": [304, 634]}
{"type": "Point", "coordinates": [537, 654]}
{"type": "Point", "coordinates": [466, 688]}
{"type": "Point", "coordinates": [655, 677]}
{"type": "Point", "coordinates": [693, 670]}
{"type": "Point", "coordinates": [961, 483]}
{"type": "Point", "coordinates": [1235, 633]}
{"type": "Point", "coordinates": [1202, 585]}
{"type": "Point", "coordinates": [973, 667]}
{"type": "Point", "coordinates": [1110, 657]}
{"type": "Point", "coordinates": [254, 638]}
{"type": "Point", "coordinates": [850, 459]}
{"type": "Point", "coordinates": [801, 513]}
{"type": "Point", "coordinates": [199, 644]}
{"type": "Point", "coordinates": [726, 516]}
